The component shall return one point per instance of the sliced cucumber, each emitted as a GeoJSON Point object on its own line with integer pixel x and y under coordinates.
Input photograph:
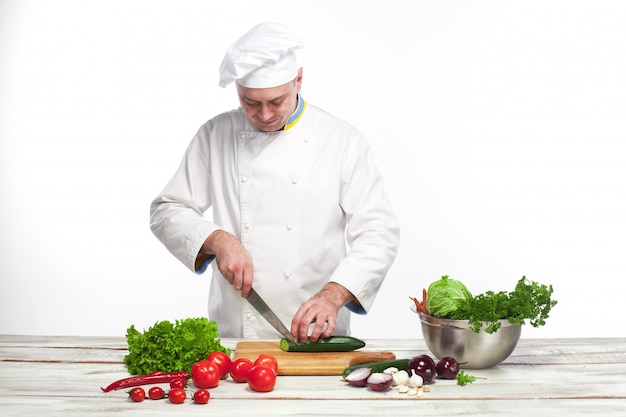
{"type": "Point", "coordinates": [329, 344]}
{"type": "Point", "coordinates": [401, 364]}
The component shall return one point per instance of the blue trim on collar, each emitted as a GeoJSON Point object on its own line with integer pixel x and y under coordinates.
{"type": "Point", "coordinates": [297, 114]}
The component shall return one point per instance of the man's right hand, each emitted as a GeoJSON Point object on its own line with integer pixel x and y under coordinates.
{"type": "Point", "coordinates": [233, 260]}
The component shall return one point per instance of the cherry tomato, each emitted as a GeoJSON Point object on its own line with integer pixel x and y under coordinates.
{"type": "Point", "coordinates": [261, 378]}
{"type": "Point", "coordinates": [137, 394]}
{"type": "Point", "coordinates": [239, 369]}
{"type": "Point", "coordinates": [201, 396]}
{"type": "Point", "coordinates": [178, 383]}
{"type": "Point", "coordinates": [268, 360]}
{"type": "Point", "coordinates": [177, 395]}
{"type": "Point", "coordinates": [222, 360]}
{"type": "Point", "coordinates": [156, 393]}
{"type": "Point", "coordinates": [205, 374]}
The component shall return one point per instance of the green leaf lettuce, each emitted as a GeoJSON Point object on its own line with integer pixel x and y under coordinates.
{"type": "Point", "coordinates": [171, 347]}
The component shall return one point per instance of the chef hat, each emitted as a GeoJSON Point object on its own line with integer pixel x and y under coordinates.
{"type": "Point", "coordinates": [262, 58]}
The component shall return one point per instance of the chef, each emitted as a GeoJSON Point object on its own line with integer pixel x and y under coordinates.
{"type": "Point", "coordinates": [299, 209]}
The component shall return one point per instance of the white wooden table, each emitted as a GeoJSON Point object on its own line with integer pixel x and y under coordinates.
{"type": "Point", "coordinates": [61, 376]}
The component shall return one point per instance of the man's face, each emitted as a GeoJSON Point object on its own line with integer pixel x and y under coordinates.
{"type": "Point", "coordinates": [270, 108]}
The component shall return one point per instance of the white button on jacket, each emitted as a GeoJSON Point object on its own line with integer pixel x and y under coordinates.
{"type": "Point", "coordinates": [249, 180]}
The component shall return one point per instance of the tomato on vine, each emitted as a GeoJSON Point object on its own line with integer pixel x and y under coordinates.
{"type": "Point", "coordinates": [267, 360]}
{"type": "Point", "coordinates": [137, 394]}
{"type": "Point", "coordinates": [201, 396]}
{"type": "Point", "coordinates": [177, 395]}
{"type": "Point", "coordinates": [156, 393]}
{"type": "Point", "coordinates": [178, 383]}
{"type": "Point", "coordinates": [261, 378]}
{"type": "Point", "coordinates": [205, 374]}
{"type": "Point", "coordinates": [240, 368]}
{"type": "Point", "coordinates": [222, 360]}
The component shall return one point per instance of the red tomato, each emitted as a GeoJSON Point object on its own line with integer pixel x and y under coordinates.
{"type": "Point", "coordinates": [205, 374]}
{"type": "Point", "coordinates": [222, 360]}
{"type": "Point", "coordinates": [177, 395]}
{"type": "Point", "coordinates": [239, 369]}
{"type": "Point", "coordinates": [137, 394]}
{"type": "Point", "coordinates": [178, 383]}
{"type": "Point", "coordinates": [156, 393]}
{"type": "Point", "coordinates": [261, 378]}
{"type": "Point", "coordinates": [268, 360]}
{"type": "Point", "coordinates": [201, 396]}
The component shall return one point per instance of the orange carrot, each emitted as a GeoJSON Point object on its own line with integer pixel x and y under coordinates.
{"type": "Point", "coordinates": [424, 295]}
{"type": "Point", "coordinates": [418, 306]}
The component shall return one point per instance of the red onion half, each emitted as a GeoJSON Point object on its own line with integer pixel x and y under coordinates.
{"type": "Point", "coordinates": [358, 377]}
{"type": "Point", "coordinates": [379, 381]}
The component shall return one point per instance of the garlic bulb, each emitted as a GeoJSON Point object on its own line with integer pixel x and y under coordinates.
{"type": "Point", "coordinates": [400, 378]}
{"type": "Point", "coordinates": [415, 381]}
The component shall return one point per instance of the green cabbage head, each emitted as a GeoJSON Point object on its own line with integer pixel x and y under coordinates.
{"type": "Point", "coordinates": [445, 296]}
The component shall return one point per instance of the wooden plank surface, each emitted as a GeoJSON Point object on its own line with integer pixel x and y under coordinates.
{"type": "Point", "coordinates": [61, 376]}
{"type": "Point", "coordinates": [301, 363]}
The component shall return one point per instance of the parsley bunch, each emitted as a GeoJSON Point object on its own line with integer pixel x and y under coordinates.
{"type": "Point", "coordinates": [530, 300]}
{"type": "Point", "coordinates": [171, 347]}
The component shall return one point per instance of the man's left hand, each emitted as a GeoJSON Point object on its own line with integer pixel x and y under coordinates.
{"type": "Point", "coordinates": [321, 310]}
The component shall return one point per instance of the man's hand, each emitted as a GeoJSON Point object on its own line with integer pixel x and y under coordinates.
{"type": "Point", "coordinates": [233, 260]}
{"type": "Point", "coordinates": [321, 309]}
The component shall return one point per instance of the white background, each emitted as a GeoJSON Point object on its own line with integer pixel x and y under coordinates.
{"type": "Point", "coordinates": [499, 127]}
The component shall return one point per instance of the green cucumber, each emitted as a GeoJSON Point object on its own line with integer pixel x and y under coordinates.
{"type": "Point", "coordinates": [329, 344]}
{"type": "Point", "coordinates": [401, 364]}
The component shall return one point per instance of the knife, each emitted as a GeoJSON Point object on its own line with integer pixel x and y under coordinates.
{"type": "Point", "coordinates": [257, 302]}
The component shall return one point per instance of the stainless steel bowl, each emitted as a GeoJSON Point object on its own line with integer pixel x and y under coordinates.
{"type": "Point", "coordinates": [480, 350]}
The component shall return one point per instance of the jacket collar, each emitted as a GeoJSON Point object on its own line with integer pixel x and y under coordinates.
{"type": "Point", "coordinates": [297, 114]}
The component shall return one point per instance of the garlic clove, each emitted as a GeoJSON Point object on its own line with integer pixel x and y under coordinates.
{"type": "Point", "coordinates": [391, 370]}
{"type": "Point", "coordinates": [402, 389]}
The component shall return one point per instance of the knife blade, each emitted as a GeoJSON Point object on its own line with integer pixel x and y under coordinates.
{"type": "Point", "coordinates": [261, 306]}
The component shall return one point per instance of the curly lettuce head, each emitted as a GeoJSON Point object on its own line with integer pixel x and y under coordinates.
{"type": "Point", "coordinates": [445, 296]}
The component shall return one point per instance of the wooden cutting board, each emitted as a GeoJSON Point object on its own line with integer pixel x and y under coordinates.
{"type": "Point", "coordinates": [301, 363]}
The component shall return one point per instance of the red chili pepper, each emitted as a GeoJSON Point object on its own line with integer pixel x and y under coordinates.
{"type": "Point", "coordinates": [157, 377]}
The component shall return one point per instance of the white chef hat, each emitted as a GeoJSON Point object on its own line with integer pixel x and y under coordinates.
{"type": "Point", "coordinates": [264, 57]}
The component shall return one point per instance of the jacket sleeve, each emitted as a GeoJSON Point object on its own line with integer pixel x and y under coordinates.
{"type": "Point", "coordinates": [373, 231]}
{"type": "Point", "coordinates": [177, 213]}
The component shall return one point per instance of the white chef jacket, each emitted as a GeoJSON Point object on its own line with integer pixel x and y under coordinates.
{"type": "Point", "coordinates": [307, 202]}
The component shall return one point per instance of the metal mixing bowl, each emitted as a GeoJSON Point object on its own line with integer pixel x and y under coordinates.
{"type": "Point", "coordinates": [480, 350]}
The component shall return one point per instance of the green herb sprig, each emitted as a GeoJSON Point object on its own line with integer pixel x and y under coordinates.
{"type": "Point", "coordinates": [463, 379]}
